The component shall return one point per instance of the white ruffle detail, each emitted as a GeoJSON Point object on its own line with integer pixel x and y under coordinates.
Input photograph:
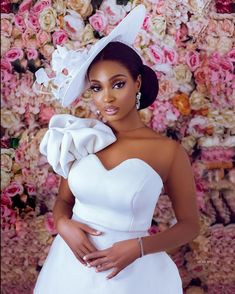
{"type": "Point", "coordinates": [71, 138]}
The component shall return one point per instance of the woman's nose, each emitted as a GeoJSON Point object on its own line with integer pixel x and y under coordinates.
{"type": "Point", "coordinates": [108, 97]}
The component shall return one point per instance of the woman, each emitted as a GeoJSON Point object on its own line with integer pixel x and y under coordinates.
{"type": "Point", "coordinates": [112, 176]}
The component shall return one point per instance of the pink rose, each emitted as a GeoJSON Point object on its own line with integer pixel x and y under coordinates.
{"type": "Point", "coordinates": [5, 200]}
{"type": "Point", "coordinates": [59, 37]}
{"type": "Point", "coordinates": [156, 54]}
{"type": "Point", "coordinates": [13, 189]}
{"type": "Point", "coordinates": [49, 223]}
{"type": "Point", "coordinates": [231, 55]}
{"type": "Point", "coordinates": [51, 181]}
{"type": "Point", "coordinates": [226, 64]}
{"type": "Point", "coordinates": [146, 23]}
{"type": "Point", "coordinates": [31, 53]}
{"type": "Point", "coordinates": [200, 76]}
{"type": "Point", "coordinates": [46, 113]}
{"type": "Point", "coordinates": [193, 60]}
{"type": "Point", "coordinates": [31, 190]}
{"type": "Point", "coordinates": [33, 22]}
{"type": "Point", "coordinates": [42, 38]}
{"type": "Point", "coordinates": [170, 55]}
{"type": "Point", "coordinates": [98, 21]}
{"type": "Point", "coordinates": [40, 5]}
{"type": "Point", "coordinates": [20, 22]}
{"type": "Point", "coordinates": [25, 6]}
{"type": "Point", "coordinates": [14, 54]}
{"type": "Point", "coordinates": [6, 70]}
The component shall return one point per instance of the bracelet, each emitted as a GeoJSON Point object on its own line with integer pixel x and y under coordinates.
{"type": "Point", "coordinates": [141, 246]}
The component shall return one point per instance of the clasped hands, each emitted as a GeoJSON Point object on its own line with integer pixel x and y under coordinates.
{"type": "Point", "coordinates": [120, 255]}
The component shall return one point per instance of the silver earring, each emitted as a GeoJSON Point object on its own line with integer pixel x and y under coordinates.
{"type": "Point", "coordinates": [98, 112]}
{"type": "Point", "coordinates": [137, 103]}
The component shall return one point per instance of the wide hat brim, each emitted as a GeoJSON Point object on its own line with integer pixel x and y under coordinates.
{"type": "Point", "coordinates": [126, 32]}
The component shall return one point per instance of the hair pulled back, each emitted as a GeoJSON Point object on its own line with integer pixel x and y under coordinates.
{"type": "Point", "coordinates": [117, 51]}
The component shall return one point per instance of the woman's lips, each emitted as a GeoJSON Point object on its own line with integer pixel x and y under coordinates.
{"type": "Point", "coordinates": [111, 110]}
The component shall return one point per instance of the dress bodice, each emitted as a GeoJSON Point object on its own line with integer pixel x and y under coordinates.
{"type": "Point", "coordinates": [122, 198]}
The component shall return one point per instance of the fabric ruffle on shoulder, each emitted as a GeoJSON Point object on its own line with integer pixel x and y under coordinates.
{"type": "Point", "coordinates": [70, 138]}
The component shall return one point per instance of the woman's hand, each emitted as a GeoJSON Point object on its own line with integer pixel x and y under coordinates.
{"type": "Point", "coordinates": [74, 234]}
{"type": "Point", "coordinates": [120, 255]}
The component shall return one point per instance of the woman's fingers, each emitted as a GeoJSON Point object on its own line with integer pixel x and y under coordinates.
{"type": "Point", "coordinates": [96, 254]}
{"type": "Point", "coordinates": [79, 255]}
{"type": "Point", "coordinates": [99, 261]}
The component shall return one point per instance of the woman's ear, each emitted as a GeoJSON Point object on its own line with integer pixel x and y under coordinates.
{"type": "Point", "coordinates": [138, 82]}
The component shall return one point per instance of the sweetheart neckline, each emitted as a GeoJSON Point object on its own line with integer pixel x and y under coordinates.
{"type": "Point", "coordinates": [126, 160]}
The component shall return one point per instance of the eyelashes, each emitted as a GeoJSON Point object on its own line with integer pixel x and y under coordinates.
{"type": "Point", "coordinates": [118, 85]}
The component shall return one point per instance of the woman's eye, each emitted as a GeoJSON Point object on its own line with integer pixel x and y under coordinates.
{"type": "Point", "coordinates": [95, 88]}
{"type": "Point", "coordinates": [119, 85]}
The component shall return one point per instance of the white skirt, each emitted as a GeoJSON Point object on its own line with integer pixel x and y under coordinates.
{"type": "Point", "coordinates": [62, 272]}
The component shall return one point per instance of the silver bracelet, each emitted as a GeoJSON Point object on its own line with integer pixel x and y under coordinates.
{"type": "Point", "coordinates": [141, 246]}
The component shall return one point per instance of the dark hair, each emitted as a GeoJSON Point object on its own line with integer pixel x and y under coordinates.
{"type": "Point", "coordinates": [117, 51]}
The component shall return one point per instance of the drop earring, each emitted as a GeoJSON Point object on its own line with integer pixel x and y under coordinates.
{"type": "Point", "coordinates": [137, 103]}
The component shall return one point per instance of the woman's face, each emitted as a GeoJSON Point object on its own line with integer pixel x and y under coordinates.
{"type": "Point", "coordinates": [113, 89]}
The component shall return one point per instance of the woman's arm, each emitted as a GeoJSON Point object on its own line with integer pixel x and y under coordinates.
{"type": "Point", "coordinates": [180, 187]}
{"type": "Point", "coordinates": [64, 203]}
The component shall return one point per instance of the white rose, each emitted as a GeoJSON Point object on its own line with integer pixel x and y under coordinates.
{"type": "Point", "coordinates": [74, 20]}
{"type": "Point", "coordinates": [10, 120]}
{"type": "Point", "coordinates": [182, 73]}
{"type": "Point", "coordinates": [6, 158]}
{"type": "Point", "coordinates": [157, 26]}
{"type": "Point", "coordinates": [83, 7]}
{"type": "Point", "coordinates": [115, 13]}
{"type": "Point", "coordinates": [47, 19]}
{"type": "Point", "coordinates": [224, 44]}
{"type": "Point", "coordinates": [59, 6]}
{"type": "Point", "coordinates": [5, 44]}
{"type": "Point", "coordinates": [198, 101]}
{"type": "Point", "coordinates": [5, 179]}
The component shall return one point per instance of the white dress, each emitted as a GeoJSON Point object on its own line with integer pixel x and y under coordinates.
{"type": "Point", "coordinates": [119, 202]}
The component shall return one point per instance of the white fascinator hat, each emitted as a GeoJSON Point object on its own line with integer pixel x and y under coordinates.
{"type": "Point", "coordinates": [70, 66]}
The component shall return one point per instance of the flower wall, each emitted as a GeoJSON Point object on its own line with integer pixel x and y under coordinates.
{"type": "Point", "coordinates": [189, 43]}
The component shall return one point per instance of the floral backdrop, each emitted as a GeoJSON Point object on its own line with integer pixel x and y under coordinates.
{"type": "Point", "coordinates": [189, 43]}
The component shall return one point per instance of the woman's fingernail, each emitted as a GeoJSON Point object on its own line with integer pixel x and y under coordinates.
{"type": "Point", "coordinates": [84, 257]}
{"type": "Point", "coordinates": [88, 264]}
{"type": "Point", "coordinates": [98, 232]}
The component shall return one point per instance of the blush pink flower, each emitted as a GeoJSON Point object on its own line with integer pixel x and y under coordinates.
{"type": "Point", "coordinates": [42, 38]}
{"type": "Point", "coordinates": [25, 6]}
{"type": "Point", "coordinates": [40, 5]}
{"type": "Point", "coordinates": [98, 21]}
{"type": "Point", "coordinates": [51, 181]}
{"type": "Point", "coordinates": [146, 23]}
{"type": "Point", "coordinates": [31, 189]}
{"type": "Point", "coordinates": [6, 70]}
{"type": "Point", "coordinates": [20, 22]}
{"type": "Point", "coordinates": [193, 60]}
{"type": "Point", "coordinates": [49, 223]}
{"type": "Point", "coordinates": [13, 189]}
{"type": "Point", "coordinates": [59, 37]}
{"type": "Point", "coordinates": [170, 55]}
{"type": "Point", "coordinates": [14, 54]}
{"type": "Point", "coordinates": [33, 22]}
{"type": "Point", "coordinates": [156, 55]}
{"type": "Point", "coordinates": [46, 112]}
{"type": "Point", "coordinates": [231, 55]}
{"type": "Point", "coordinates": [31, 53]}
{"type": "Point", "coordinates": [6, 200]}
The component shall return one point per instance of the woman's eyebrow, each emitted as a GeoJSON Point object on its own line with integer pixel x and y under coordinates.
{"type": "Point", "coordinates": [111, 78]}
